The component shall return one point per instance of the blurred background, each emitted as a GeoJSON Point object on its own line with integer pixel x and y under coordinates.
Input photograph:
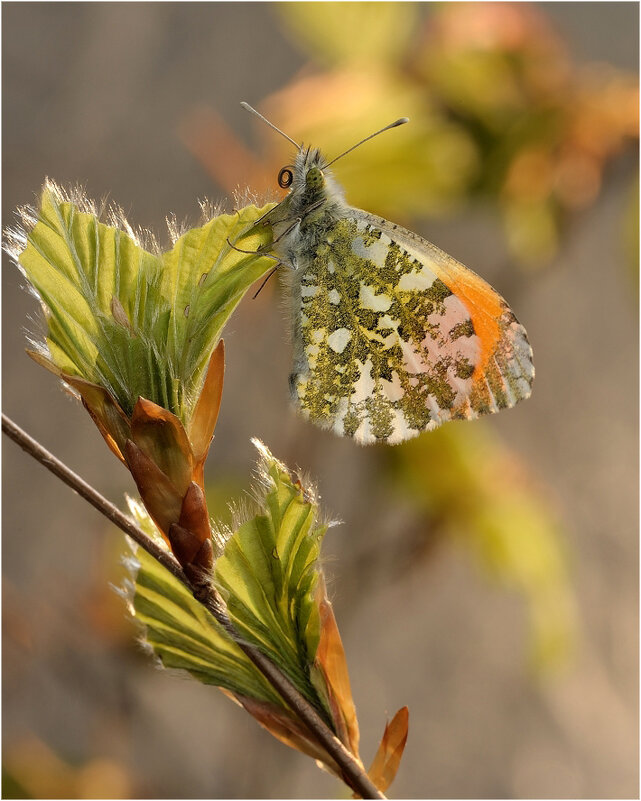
{"type": "Point", "coordinates": [485, 574]}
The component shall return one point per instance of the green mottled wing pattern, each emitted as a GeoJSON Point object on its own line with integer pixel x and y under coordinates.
{"type": "Point", "coordinates": [392, 337]}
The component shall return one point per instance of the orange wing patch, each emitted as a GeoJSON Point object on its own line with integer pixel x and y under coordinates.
{"type": "Point", "coordinates": [485, 307]}
{"type": "Point", "coordinates": [504, 372]}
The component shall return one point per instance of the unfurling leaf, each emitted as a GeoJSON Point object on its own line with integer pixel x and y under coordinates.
{"type": "Point", "coordinates": [267, 570]}
{"type": "Point", "coordinates": [120, 313]}
{"type": "Point", "coordinates": [161, 437]}
{"type": "Point", "coordinates": [388, 757]}
{"type": "Point", "coordinates": [183, 634]}
{"type": "Point", "coordinates": [136, 334]}
{"type": "Point", "coordinates": [334, 679]}
{"type": "Point", "coordinates": [205, 416]}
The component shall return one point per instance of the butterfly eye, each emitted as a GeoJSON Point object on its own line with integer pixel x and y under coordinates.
{"type": "Point", "coordinates": [285, 177]}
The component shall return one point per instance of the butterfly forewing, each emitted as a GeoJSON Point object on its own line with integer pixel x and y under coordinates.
{"type": "Point", "coordinates": [393, 337]}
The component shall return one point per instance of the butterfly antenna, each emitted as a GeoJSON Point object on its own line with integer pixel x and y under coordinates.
{"type": "Point", "coordinates": [247, 107]}
{"type": "Point", "coordinates": [394, 124]}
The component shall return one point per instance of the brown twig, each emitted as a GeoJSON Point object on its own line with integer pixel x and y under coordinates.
{"type": "Point", "coordinates": [353, 773]}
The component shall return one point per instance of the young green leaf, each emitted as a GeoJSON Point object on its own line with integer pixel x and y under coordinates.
{"type": "Point", "coordinates": [184, 636]}
{"type": "Point", "coordinates": [268, 573]}
{"type": "Point", "coordinates": [133, 320]}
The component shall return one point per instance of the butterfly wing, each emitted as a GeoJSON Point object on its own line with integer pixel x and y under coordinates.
{"type": "Point", "coordinates": [393, 337]}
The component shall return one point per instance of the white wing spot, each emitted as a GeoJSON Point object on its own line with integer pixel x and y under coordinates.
{"type": "Point", "coordinates": [312, 355]}
{"type": "Point", "coordinates": [365, 385]}
{"type": "Point", "coordinates": [400, 429]}
{"type": "Point", "coordinates": [416, 281]}
{"type": "Point", "coordinates": [334, 297]}
{"type": "Point", "coordinates": [368, 300]}
{"type": "Point", "coordinates": [393, 389]}
{"type": "Point", "coordinates": [338, 339]}
{"type": "Point", "coordinates": [363, 433]}
{"type": "Point", "coordinates": [412, 360]}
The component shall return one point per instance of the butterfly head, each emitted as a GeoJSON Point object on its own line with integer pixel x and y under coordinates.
{"type": "Point", "coordinates": [308, 177]}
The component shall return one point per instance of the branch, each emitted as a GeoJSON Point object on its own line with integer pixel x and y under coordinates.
{"type": "Point", "coordinates": [353, 772]}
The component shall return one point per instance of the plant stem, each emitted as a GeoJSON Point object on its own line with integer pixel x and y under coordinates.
{"type": "Point", "coordinates": [353, 772]}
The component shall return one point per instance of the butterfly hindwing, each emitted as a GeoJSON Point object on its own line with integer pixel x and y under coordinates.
{"type": "Point", "coordinates": [393, 337]}
{"type": "Point", "coordinates": [505, 372]}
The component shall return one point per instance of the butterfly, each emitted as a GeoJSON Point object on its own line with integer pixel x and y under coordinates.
{"type": "Point", "coordinates": [391, 336]}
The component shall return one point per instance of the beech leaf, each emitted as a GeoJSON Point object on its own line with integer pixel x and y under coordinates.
{"type": "Point", "coordinates": [124, 315]}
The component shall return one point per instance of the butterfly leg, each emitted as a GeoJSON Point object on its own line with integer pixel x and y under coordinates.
{"type": "Point", "coordinates": [287, 230]}
{"type": "Point", "coordinates": [314, 206]}
{"type": "Point", "coordinates": [260, 220]}
{"type": "Point", "coordinates": [269, 275]}
{"type": "Point", "coordinates": [260, 251]}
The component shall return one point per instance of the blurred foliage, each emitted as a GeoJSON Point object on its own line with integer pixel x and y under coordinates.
{"type": "Point", "coordinates": [499, 112]}
{"type": "Point", "coordinates": [632, 239]}
{"type": "Point", "coordinates": [465, 484]}
{"type": "Point", "coordinates": [326, 32]}
{"type": "Point", "coordinates": [32, 769]}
